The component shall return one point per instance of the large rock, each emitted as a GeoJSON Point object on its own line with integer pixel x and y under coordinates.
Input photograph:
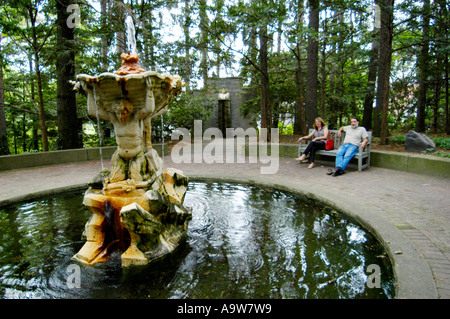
{"type": "Point", "coordinates": [418, 142]}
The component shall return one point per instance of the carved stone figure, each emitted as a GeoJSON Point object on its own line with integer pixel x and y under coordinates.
{"type": "Point", "coordinates": [224, 95]}
{"type": "Point", "coordinates": [137, 208]}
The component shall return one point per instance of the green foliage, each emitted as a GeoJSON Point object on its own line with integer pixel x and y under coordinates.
{"type": "Point", "coordinates": [398, 139]}
{"type": "Point", "coordinates": [184, 110]}
{"type": "Point", "coordinates": [442, 142]}
{"type": "Point", "coordinates": [442, 154]}
{"type": "Point", "coordinates": [91, 140]}
{"type": "Point", "coordinates": [285, 129]}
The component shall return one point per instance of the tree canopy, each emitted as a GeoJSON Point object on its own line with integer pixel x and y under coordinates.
{"type": "Point", "coordinates": [384, 61]}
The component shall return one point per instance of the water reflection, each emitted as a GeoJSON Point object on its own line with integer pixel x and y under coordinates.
{"type": "Point", "coordinates": [243, 242]}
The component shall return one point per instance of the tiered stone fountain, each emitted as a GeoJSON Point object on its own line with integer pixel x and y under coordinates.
{"type": "Point", "coordinates": [137, 207]}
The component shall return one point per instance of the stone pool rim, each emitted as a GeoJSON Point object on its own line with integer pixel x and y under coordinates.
{"type": "Point", "coordinates": [413, 277]}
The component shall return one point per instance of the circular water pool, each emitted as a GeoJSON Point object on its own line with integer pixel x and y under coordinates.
{"type": "Point", "coordinates": [243, 242]}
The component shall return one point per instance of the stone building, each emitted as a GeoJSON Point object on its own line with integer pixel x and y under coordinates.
{"type": "Point", "coordinates": [226, 110]}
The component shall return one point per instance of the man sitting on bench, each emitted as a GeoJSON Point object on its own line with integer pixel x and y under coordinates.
{"type": "Point", "coordinates": [354, 137]}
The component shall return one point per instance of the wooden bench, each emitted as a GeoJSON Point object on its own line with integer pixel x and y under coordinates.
{"type": "Point", "coordinates": [362, 153]}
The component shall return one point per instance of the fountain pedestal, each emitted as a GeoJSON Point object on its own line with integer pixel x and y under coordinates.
{"type": "Point", "coordinates": [137, 207]}
{"type": "Point", "coordinates": [148, 224]}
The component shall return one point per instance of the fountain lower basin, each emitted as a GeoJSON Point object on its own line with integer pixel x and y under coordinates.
{"type": "Point", "coordinates": [243, 242]}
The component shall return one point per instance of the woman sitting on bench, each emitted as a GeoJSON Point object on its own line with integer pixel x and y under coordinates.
{"type": "Point", "coordinates": [320, 134]}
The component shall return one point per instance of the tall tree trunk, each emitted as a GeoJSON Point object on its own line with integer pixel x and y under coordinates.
{"type": "Point", "coordinates": [279, 22]}
{"type": "Point", "coordinates": [437, 94]}
{"type": "Point", "coordinates": [65, 66]}
{"type": "Point", "coordinates": [299, 123]}
{"type": "Point", "coordinates": [265, 87]}
{"type": "Point", "coordinates": [42, 121]}
{"type": "Point", "coordinates": [384, 69]}
{"type": "Point", "coordinates": [24, 132]}
{"type": "Point", "coordinates": [104, 37]}
{"type": "Point", "coordinates": [187, 43]}
{"type": "Point", "coordinates": [4, 147]}
{"type": "Point", "coordinates": [370, 91]}
{"type": "Point", "coordinates": [204, 42]}
{"type": "Point", "coordinates": [442, 26]}
{"type": "Point", "coordinates": [323, 72]}
{"type": "Point", "coordinates": [147, 46]}
{"type": "Point", "coordinates": [422, 61]}
{"type": "Point", "coordinates": [35, 118]}
{"type": "Point", "coordinates": [340, 70]}
{"type": "Point", "coordinates": [43, 125]}
{"type": "Point", "coordinates": [332, 90]}
{"type": "Point", "coordinates": [371, 80]}
{"type": "Point", "coordinates": [312, 64]}
{"type": "Point", "coordinates": [121, 43]}
{"type": "Point", "coordinates": [447, 115]}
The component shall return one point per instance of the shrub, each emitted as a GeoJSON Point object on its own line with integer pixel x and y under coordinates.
{"type": "Point", "coordinates": [442, 142]}
{"type": "Point", "coordinates": [398, 139]}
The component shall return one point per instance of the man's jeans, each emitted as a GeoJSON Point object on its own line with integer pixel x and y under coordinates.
{"type": "Point", "coordinates": [344, 154]}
